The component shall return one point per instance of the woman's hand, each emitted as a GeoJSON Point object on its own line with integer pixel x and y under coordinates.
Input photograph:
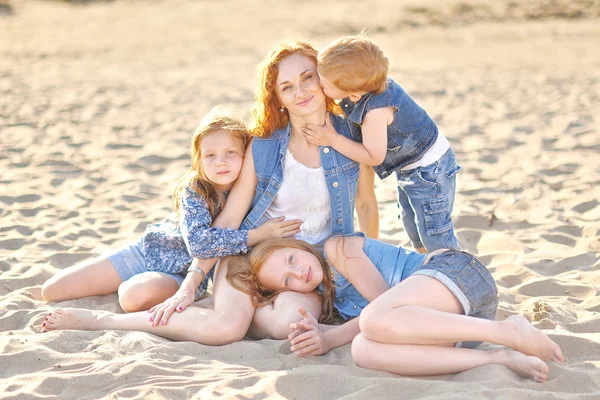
{"type": "Point", "coordinates": [308, 339]}
{"type": "Point", "coordinates": [160, 313]}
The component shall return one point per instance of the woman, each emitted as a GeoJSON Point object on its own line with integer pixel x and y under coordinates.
{"type": "Point", "coordinates": [439, 308]}
{"type": "Point", "coordinates": [272, 180]}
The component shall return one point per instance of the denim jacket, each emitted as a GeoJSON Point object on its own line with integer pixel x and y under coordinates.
{"type": "Point", "coordinates": [409, 136]}
{"type": "Point", "coordinates": [341, 175]}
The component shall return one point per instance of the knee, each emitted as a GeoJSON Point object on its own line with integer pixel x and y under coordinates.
{"type": "Point", "coordinates": [361, 353]}
{"type": "Point", "coordinates": [132, 299]}
{"type": "Point", "coordinates": [371, 321]}
{"type": "Point", "coordinates": [230, 331]}
{"type": "Point", "coordinates": [50, 291]}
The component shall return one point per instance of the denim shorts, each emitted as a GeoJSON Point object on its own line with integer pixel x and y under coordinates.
{"type": "Point", "coordinates": [469, 280]}
{"type": "Point", "coordinates": [129, 261]}
{"type": "Point", "coordinates": [426, 198]}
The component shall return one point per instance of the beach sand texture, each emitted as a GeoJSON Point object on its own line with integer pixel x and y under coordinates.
{"type": "Point", "coordinates": [98, 101]}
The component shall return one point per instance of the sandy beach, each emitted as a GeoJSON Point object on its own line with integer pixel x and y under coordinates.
{"type": "Point", "coordinates": [98, 101]}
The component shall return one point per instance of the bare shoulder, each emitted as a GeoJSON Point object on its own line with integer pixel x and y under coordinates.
{"type": "Point", "coordinates": [384, 114]}
{"type": "Point", "coordinates": [339, 248]}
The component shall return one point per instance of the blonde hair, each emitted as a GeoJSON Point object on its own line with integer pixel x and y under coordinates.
{"type": "Point", "coordinates": [266, 115]}
{"type": "Point", "coordinates": [196, 178]}
{"type": "Point", "coordinates": [243, 271]}
{"type": "Point", "coordinates": [354, 64]}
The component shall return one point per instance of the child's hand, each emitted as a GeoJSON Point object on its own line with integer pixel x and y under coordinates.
{"type": "Point", "coordinates": [308, 339]}
{"type": "Point", "coordinates": [320, 135]}
{"type": "Point", "coordinates": [278, 228]}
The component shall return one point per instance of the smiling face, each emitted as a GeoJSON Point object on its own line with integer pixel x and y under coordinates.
{"type": "Point", "coordinates": [297, 86]}
{"type": "Point", "coordinates": [222, 155]}
{"type": "Point", "coordinates": [291, 269]}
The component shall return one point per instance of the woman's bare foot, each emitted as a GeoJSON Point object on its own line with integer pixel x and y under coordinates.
{"type": "Point", "coordinates": [73, 319]}
{"type": "Point", "coordinates": [527, 366]}
{"type": "Point", "coordinates": [531, 341]}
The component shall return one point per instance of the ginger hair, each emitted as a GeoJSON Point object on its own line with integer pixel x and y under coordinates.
{"type": "Point", "coordinates": [266, 115]}
{"type": "Point", "coordinates": [354, 64]}
{"type": "Point", "coordinates": [243, 271]}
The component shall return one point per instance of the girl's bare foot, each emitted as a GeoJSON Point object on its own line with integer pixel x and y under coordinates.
{"type": "Point", "coordinates": [532, 341]}
{"type": "Point", "coordinates": [73, 319]}
{"type": "Point", "coordinates": [527, 366]}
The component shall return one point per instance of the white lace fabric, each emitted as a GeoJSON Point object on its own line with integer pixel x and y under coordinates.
{"type": "Point", "coordinates": [303, 195]}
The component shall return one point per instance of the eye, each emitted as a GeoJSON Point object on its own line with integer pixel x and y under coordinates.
{"type": "Point", "coordinates": [307, 77]}
{"type": "Point", "coordinates": [209, 155]}
{"type": "Point", "coordinates": [231, 152]}
{"type": "Point", "coordinates": [286, 88]}
{"type": "Point", "coordinates": [286, 281]}
{"type": "Point", "coordinates": [291, 259]}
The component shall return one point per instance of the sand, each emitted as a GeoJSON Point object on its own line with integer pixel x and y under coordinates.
{"type": "Point", "coordinates": [98, 101]}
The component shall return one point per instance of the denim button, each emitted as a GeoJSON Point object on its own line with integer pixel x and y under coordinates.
{"type": "Point", "coordinates": [354, 307]}
{"type": "Point", "coordinates": [326, 150]}
{"type": "Point", "coordinates": [339, 221]}
{"type": "Point", "coordinates": [335, 184]}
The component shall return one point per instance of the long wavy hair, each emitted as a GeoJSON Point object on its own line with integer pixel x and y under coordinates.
{"type": "Point", "coordinates": [196, 178]}
{"type": "Point", "coordinates": [242, 274]}
{"type": "Point", "coordinates": [266, 115]}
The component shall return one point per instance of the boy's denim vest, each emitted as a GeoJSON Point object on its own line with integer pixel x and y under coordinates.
{"type": "Point", "coordinates": [409, 136]}
{"type": "Point", "coordinates": [341, 175]}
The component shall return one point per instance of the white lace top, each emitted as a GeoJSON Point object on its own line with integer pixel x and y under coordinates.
{"type": "Point", "coordinates": [303, 195]}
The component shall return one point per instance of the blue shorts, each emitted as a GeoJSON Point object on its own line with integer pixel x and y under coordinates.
{"type": "Point", "coordinates": [129, 261]}
{"type": "Point", "coordinates": [426, 198]}
{"type": "Point", "coordinates": [469, 280]}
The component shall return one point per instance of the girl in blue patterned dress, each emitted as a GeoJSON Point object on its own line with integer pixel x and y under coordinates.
{"type": "Point", "coordinates": [147, 272]}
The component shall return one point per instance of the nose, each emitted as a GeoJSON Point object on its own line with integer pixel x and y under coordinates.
{"type": "Point", "coordinates": [221, 161]}
{"type": "Point", "coordinates": [298, 273]}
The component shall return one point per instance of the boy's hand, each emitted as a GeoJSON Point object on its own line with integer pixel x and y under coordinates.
{"type": "Point", "coordinates": [320, 135]}
{"type": "Point", "coordinates": [308, 339]}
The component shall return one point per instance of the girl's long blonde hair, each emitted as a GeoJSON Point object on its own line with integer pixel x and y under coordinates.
{"type": "Point", "coordinates": [242, 274]}
{"type": "Point", "coordinates": [196, 178]}
{"type": "Point", "coordinates": [266, 115]}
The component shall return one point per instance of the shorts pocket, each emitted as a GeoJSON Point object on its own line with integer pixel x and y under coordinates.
{"type": "Point", "coordinates": [478, 285]}
{"type": "Point", "coordinates": [437, 216]}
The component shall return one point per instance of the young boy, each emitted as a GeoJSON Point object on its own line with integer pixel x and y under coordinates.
{"type": "Point", "coordinates": [396, 135]}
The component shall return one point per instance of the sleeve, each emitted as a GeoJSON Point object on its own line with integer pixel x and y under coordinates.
{"type": "Point", "coordinates": [202, 240]}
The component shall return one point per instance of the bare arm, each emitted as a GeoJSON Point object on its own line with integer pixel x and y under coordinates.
{"type": "Point", "coordinates": [240, 199]}
{"type": "Point", "coordinates": [367, 209]}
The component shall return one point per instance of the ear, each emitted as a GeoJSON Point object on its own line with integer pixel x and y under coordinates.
{"type": "Point", "coordinates": [355, 96]}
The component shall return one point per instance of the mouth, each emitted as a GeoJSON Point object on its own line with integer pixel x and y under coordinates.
{"type": "Point", "coordinates": [309, 275]}
{"type": "Point", "coordinates": [305, 102]}
{"type": "Point", "coordinates": [223, 172]}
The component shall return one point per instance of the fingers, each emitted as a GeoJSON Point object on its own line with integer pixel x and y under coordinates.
{"type": "Point", "coordinates": [166, 315]}
{"type": "Point", "coordinates": [312, 350]}
{"type": "Point", "coordinates": [303, 339]}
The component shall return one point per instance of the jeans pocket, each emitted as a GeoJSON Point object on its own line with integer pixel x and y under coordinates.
{"type": "Point", "coordinates": [428, 174]}
{"type": "Point", "coordinates": [453, 171]}
{"type": "Point", "coordinates": [437, 216]}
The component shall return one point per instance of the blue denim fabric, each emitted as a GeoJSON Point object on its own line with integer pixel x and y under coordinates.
{"type": "Point", "coordinates": [394, 263]}
{"type": "Point", "coordinates": [341, 175]}
{"type": "Point", "coordinates": [171, 245]}
{"type": "Point", "coordinates": [469, 280]}
{"type": "Point", "coordinates": [131, 260]}
{"type": "Point", "coordinates": [462, 273]}
{"type": "Point", "coordinates": [426, 198]}
{"type": "Point", "coordinates": [409, 136]}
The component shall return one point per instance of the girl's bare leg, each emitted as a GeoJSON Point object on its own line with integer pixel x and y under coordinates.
{"type": "Point", "coordinates": [421, 310]}
{"type": "Point", "coordinates": [93, 278]}
{"type": "Point", "coordinates": [421, 360]}
{"type": "Point", "coordinates": [273, 321]}
{"type": "Point", "coordinates": [143, 291]}
{"type": "Point", "coordinates": [227, 323]}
